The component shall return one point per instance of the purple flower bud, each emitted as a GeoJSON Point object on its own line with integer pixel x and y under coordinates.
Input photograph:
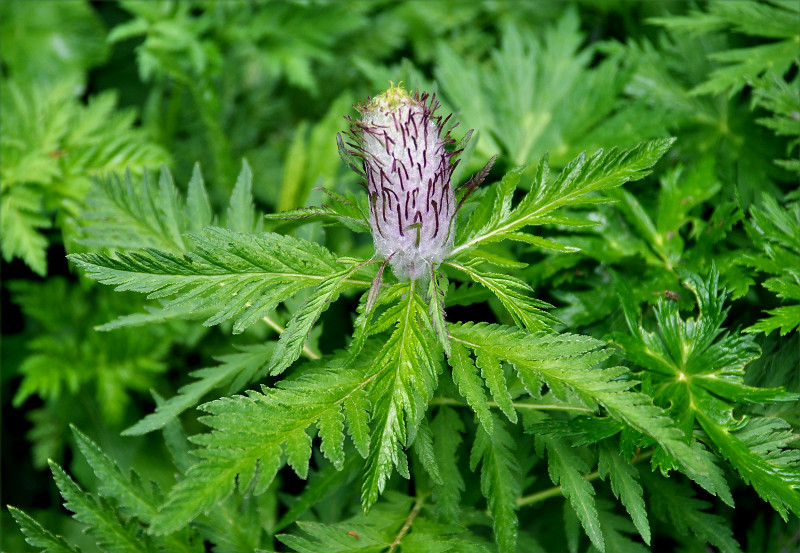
{"type": "Point", "coordinates": [407, 168]}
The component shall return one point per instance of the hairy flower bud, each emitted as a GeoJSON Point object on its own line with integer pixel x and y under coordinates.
{"type": "Point", "coordinates": [407, 168]}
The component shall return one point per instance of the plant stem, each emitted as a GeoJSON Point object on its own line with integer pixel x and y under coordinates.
{"type": "Point", "coordinates": [409, 521]}
{"type": "Point", "coordinates": [310, 353]}
{"type": "Point", "coordinates": [556, 490]}
{"type": "Point", "coordinates": [516, 405]}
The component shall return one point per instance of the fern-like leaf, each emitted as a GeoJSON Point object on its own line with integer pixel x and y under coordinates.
{"type": "Point", "coordinates": [233, 274]}
{"type": "Point", "coordinates": [677, 504]}
{"type": "Point", "coordinates": [763, 461]}
{"type": "Point", "coordinates": [341, 209]}
{"type": "Point", "coordinates": [236, 369]}
{"type": "Point", "coordinates": [38, 536]}
{"type": "Point", "coordinates": [569, 360]}
{"type": "Point", "coordinates": [447, 429]}
{"type": "Point", "coordinates": [513, 293]}
{"type": "Point", "coordinates": [496, 220]}
{"type": "Point", "coordinates": [500, 486]}
{"type": "Point", "coordinates": [567, 470]}
{"type": "Point", "coordinates": [465, 376]}
{"type": "Point", "coordinates": [101, 520]}
{"type": "Point", "coordinates": [405, 375]}
{"type": "Point", "coordinates": [251, 433]}
{"type": "Point", "coordinates": [624, 483]}
{"type": "Point", "coordinates": [58, 145]}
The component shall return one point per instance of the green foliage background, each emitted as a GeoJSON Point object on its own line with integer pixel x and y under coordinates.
{"type": "Point", "coordinates": [618, 368]}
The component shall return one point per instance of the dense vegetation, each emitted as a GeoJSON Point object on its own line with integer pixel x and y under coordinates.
{"type": "Point", "coordinates": [201, 351]}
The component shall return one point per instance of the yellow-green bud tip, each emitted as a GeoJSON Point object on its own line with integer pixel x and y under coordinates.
{"type": "Point", "coordinates": [394, 96]}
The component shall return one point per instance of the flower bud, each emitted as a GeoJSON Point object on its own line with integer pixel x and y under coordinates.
{"type": "Point", "coordinates": [401, 148]}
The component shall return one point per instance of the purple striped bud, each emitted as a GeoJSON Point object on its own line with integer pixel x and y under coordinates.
{"type": "Point", "coordinates": [402, 152]}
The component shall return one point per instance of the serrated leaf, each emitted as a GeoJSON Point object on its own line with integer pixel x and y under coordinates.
{"type": "Point", "coordinates": [569, 360]}
{"type": "Point", "coordinates": [290, 344]}
{"type": "Point", "coordinates": [38, 536]}
{"type": "Point", "coordinates": [342, 209]}
{"type": "Point", "coordinates": [235, 274]}
{"type": "Point", "coordinates": [499, 484]}
{"type": "Point", "coordinates": [134, 497]}
{"type": "Point", "coordinates": [514, 294]}
{"type": "Point", "coordinates": [772, 472]}
{"type": "Point", "coordinates": [436, 291]}
{"type": "Point", "coordinates": [626, 488]}
{"type": "Point", "coordinates": [357, 408]}
{"type": "Point", "coordinates": [242, 214]}
{"type": "Point", "coordinates": [615, 529]}
{"type": "Point", "coordinates": [54, 145]}
{"type": "Point", "coordinates": [249, 434]}
{"type": "Point", "coordinates": [600, 171]}
{"type": "Point", "coordinates": [423, 446]}
{"type": "Point", "coordinates": [567, 469]}
{"type": "Point", "coordinates": [492, 373]}
{"type": "Point", "coordinates": [677, 504]}
{"type": "Point", "coordinates": [447, 429]}
{"type": "Point", "coordinates": [21, 224]}
{"type": "Point", "coordinates": [465, 376]}
{"type": "Point", "coordinates": [331, 431]}
{"type": "Point", "coordinates": [405, 377]}
{"type": "Point", "coordinates": [100, 518]}
{"type": "Point", "coordinates": [250, 363]}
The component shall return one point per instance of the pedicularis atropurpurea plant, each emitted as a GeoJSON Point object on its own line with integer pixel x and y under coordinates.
{"type": "Point", "coordinates": [354, 414]}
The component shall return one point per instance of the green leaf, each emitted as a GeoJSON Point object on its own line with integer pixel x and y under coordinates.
{"type": "Point", "coordinates": [447, 429]}
{"type": "Point", "coordinates": [401, 524]}
{"type": "Point", "coordinates": [514, 102]}
{"type": "Point", "coordinates": [331, 431]}
{"type": "Point", "coordinates": [492, 373]}
{"type": "Point", "coordinates": [242, 214]}
{"type": "Point", "coordinates": [567, 470]}
{"type": "Point", "coordinates": [250, 434]}
{"type": "Point", "coordinates": [436, 293]}
{"type": "Point", "coordinates": [133, 496]}
{"type": "Point", "coordinates": [321, 484]}
{"type": "Point", "coordinates": [761, 458]}
{"type": "Point", "coordinates": [775, 230]}
{"type": "Point", "coordinates": [405, 376]}
{"type": "Point", "coordinates": [55, 146]}
{"type": "Point", "coordinates": [356, 408]}
{"type": "Point", "coordinates": [615, 529]}
{"type": "Point", "coordinates": [245, 366]}
{"type": "Point", "coordinates": [499, 481]}
{"type": "Point", "coordinates": [677, 504]}
{"type": "Point", "coordinates": [342, 209]}
{"type": "Point", "coordinates": [122, 214]}
{"type": "Point", "coordinates": [698, 370]}
{"type": "Point", "coordinates": [58, 42]}
{"type": "Point", "coordinates": [784, 319]}
{"type": "Point", "coordinates": [600, 171]}
{"type": "Point", "coordinates": [465, 376]}
{"type": "Point", "coordinates": [293, 339]}
{"type": "Point", "coordinates": [233, 274]}
{"type": "Point", "coordinates": [513, 293]}
{"type": "Point", "coordinates": [570, 360]}
{"type": "Point", "coordinates": [423, 447]}
{"type": "Point", "coordinates": [103, 523]}
{"type": "Point", "coordinates": [626, 488]}
{"type": "Point", "coordinates": [21, 221]}
{"type": "Point", "coordinates": [770, 20]}
{"type": "Point", "coordinates": [38, 536]}
{"type": "Point", "coordinates": [68, 357]}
